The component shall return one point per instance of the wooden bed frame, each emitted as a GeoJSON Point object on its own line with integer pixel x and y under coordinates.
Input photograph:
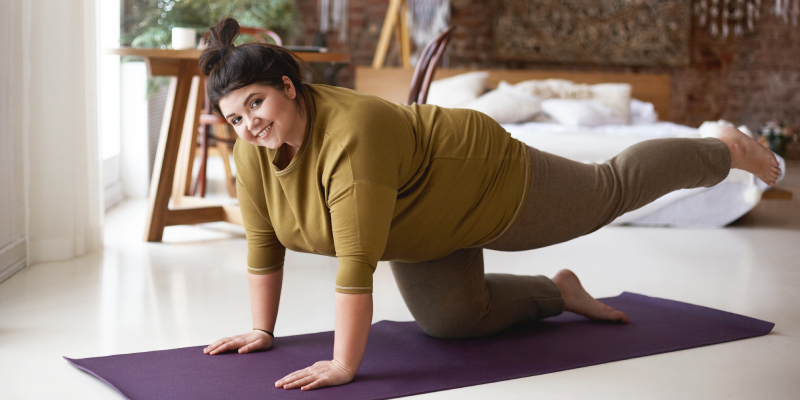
{"type": "Point", "coordinates": [394, 83]}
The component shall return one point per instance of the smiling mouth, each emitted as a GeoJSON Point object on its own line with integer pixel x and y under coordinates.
{"type": "Point", "coordinates": [265, 131]}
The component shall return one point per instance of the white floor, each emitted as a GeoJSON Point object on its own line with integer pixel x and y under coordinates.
{"type": "Point", "coordinates": [191, 289]}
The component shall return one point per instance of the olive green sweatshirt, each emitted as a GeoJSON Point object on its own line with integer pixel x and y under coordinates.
{"type": "Point", "coordinates": [374, 180]}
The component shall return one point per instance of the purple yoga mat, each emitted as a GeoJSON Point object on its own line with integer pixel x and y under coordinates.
{"type": "Point", "coordinates": [402, 361]}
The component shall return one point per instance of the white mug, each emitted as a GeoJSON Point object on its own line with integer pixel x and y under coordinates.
{"type": "Point", "coordinates": [184, 38]}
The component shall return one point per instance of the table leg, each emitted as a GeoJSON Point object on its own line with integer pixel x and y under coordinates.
{"type": "Point", "coordinates": [201, 97]}
{"type": "Point", "coordinates": [167, 153]}
{"type": "Point", "coordinates": [183, 169]}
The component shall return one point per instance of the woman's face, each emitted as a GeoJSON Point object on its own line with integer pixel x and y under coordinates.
{"type": "Point", "coordinates": [265, 116]}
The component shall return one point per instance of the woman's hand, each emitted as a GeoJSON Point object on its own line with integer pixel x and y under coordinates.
{"type": "Point", "coordinates": [353, 317]}
{"type": "Point", "coordinates": [250, 341]}
{"type": "Point", "coordinates": [321, 374]}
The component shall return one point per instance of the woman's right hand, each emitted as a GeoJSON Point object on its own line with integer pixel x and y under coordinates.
{"type": "Point", "coordinates": [250, 341]}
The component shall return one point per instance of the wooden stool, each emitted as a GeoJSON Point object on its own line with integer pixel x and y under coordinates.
{"type": "Point", "coordinates": [214, 127]}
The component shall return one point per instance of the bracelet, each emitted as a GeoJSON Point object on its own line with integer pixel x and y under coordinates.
{"type": "Point", "coordinates": [267, 332]}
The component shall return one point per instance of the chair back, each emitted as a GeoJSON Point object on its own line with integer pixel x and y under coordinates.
{"type": "Point", "coordinates": [426, 66]}
{"type": "Point", "coordinates": [208, 119]}
{"type": "Point", "coordinates": [259, 34]}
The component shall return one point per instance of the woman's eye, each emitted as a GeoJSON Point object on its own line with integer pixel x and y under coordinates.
{"type": "Point", "coordinates": [236, 120]}
{"type": "Point", "coordinates": [255, 104]}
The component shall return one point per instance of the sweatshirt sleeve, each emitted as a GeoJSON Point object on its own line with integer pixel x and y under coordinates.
{"type": "Point", "coordinates": [362, 196]}
{"type": "Point", "coordinates": [265, 253]}
{"type": "Point", "coordinates": [361, 214]}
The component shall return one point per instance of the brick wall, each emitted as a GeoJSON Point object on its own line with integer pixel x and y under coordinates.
{"type": "Point", "coordinates": [745, 80]}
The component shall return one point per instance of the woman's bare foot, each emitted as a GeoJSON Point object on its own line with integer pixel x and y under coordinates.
{"type": "Point", "coordinates": [578, 301]}
{"type": "Point", "coordinates": [749, 155]}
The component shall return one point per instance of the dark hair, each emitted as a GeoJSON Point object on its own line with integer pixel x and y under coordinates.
{"type": "Point", "coordinates": [230, 67]}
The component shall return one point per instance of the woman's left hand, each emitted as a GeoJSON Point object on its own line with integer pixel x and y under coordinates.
{"type": "Point", "coordinates": [321, 374]}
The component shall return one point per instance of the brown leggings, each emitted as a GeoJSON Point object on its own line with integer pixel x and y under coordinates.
{"type": "Point", "coordinates": [451, 297]}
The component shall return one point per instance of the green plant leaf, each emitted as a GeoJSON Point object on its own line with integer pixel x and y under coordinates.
{"type": "Point", "coordinates": [147, 23]}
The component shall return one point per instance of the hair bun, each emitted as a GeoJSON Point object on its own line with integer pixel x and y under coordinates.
{"type": "Point", "coordinates": [220, 42]}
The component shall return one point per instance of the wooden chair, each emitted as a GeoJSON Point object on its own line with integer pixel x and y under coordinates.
{"type": "Point", "coordinates": [214, 128]}
{"type": "Point", "coordinates": [426, 66]}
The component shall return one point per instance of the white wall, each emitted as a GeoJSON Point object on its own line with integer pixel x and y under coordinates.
{"type": "Point", "coordinates": [108, 99]}
{"type": "Point", "coordinates": [133, 117]}
{"type": "Point", "coordinates": [13, 244]}
{"type": "Point", "coordinates": [62, 136]}
{"type": "Point", "coordinates": [50, 188]}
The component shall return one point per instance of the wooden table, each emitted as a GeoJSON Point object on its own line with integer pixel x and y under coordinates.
{"type": "Point", "coordinates": [172, 170]}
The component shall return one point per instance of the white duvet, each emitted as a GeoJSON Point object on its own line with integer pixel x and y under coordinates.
{"type": "Point", "coordinates": [701, 207]}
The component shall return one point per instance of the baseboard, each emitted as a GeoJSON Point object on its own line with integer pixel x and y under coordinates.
{"type": "Point", "coordinates": [13, 257]}
{"type": "Point", "coordinates": [114, 193]}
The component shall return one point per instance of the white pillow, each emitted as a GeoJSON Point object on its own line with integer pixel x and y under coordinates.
{"type": "Point", "coordinates": [457, 90]}
{"type": "Point", "coordinates": [581, 112]}
{"type": "Point", "coordinates": [555, 89]}
{"type": "Point", "coordinates": [506, 104]}
{"type": "Point", "coordinates": [616, 96]}
{"type": "Point", "coordinates": [643, 112]}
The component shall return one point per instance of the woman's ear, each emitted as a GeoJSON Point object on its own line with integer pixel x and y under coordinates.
{"type": "Point", "coordinates": [288, 88]}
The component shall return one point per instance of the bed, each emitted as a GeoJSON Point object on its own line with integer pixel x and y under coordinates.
{"type": "Point", "coordinates": [701, 207]}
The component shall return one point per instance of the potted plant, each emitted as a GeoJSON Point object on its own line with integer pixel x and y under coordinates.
{"type": "Point", "coordinates": [148, 22]}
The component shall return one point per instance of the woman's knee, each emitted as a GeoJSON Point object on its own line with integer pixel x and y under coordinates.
{"type": "Point", "coordinates": [449, 328]}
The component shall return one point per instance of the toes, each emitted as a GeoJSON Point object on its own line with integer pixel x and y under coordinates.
{"type": "Point", "coordinates": [770, 178]}
{"type": "Point", "coordinates": [613, 315]}
{"type": "Point", "coordinates": [621, 317]}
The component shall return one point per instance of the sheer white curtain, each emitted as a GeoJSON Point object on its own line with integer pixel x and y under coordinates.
{"type": "Point", "coordinates": [48, 120]}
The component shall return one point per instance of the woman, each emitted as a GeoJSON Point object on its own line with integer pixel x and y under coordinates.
{"type": "Point", "coordinates": [330, 171]}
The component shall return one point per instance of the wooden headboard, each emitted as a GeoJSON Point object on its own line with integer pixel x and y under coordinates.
{"type": "Point", "coordinates": [393, 83]}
